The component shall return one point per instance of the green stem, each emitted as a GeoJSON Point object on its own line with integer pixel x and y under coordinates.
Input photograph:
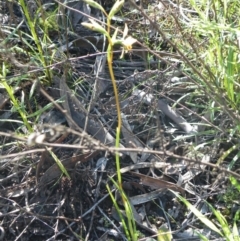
{"type": "Point", "coordinates": [110, 59]}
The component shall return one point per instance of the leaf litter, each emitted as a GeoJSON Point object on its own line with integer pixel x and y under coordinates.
{"type": "Point", "coordinates": [80, 130]}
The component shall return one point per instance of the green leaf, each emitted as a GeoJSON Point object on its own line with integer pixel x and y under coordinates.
{"type": "Point", "coordinates": [235, 232]}
{"type": "Point", "coordinates": [114, 36]}
{"type": "Point", "coordinates": [204, 238]}
{"type": "Point", "coordinates": [94, 4]}
{"type": "Point", "coordinates": [164, 234]}
{"type": "Point", "coordinates": [116, 7]}
{"type": "Point", "coordinates": [235, 183]}
{"type": "Point", "coordinates": [95, 27]}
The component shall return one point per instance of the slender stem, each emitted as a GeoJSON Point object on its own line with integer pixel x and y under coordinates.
{"type": "Point", "coordinates": [110, 60]}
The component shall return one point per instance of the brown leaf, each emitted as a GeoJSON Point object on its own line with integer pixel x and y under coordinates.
{"type": "Point", "coordinates": [54, 172]}
{"type": "Point", "coordinates": [158, 183]}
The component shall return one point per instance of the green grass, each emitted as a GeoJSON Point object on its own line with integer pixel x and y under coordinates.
{"type": "Point", "coordinates": [225, 229]}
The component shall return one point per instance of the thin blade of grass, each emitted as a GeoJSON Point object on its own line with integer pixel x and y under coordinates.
{"type": "Point", "coordinates": [199, 215]}
{"type": "Point", "coordinates": [202, 237]}
{"type": "Point", "coordinates": [118, 209]}
{"type": "Point", "coordinates": [236, 236]}
{"type": "Point", "coordinates": [59, 163]}
{"type": "Point", "coordinates": [223, 222]}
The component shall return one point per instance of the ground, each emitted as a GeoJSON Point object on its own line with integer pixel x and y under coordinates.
{"type": "Point", "coordinates": [59, 118]}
